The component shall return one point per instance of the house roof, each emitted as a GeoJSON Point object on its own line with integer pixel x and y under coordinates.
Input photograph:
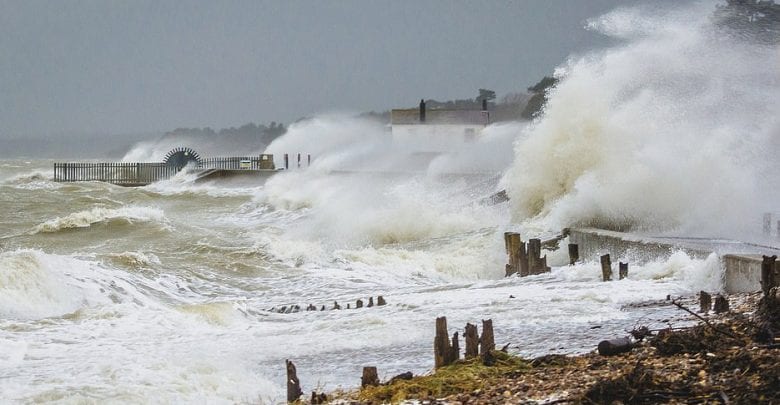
{"type": "Point", "coordinates": [438, 117]}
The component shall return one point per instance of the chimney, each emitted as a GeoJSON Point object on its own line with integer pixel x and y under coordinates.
{"type": "Point", "coordinates": [484, 104]}
{"type": "Point", "coordinates": [422, 110]}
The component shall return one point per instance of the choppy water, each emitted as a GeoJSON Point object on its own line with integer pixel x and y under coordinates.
{"type": "Point", "coordinates": [162, 293]}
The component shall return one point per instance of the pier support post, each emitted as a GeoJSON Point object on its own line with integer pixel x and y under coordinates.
{"type": "Point", "coordinates": [574, 253]}
{"type": "Point", "coordinates": [606, 268]}
{"type": "Point", "coordinates": [293, 384]}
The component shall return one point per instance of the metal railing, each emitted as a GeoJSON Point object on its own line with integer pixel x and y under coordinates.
{"type": "Point", "coordinates": [125, 174]}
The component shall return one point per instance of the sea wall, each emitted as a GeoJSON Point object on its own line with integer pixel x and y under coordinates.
{"type": "Point", "coordinates": [741, 262]}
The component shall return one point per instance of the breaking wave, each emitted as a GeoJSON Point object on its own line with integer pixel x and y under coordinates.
{"type": "Point", "coordinates": [672, 130]}
{"type": "Point", "coordinates": [98, 215]}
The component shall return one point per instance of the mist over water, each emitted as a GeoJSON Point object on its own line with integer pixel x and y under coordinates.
{"type": "Point", "coordinates": [171, 292]}
{"type": "Point", "coordinates": [673, 130]}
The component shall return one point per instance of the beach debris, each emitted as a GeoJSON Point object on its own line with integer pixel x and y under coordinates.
{"type": "Point", "coordinates": [403, 376]}
{"type": "Point", "coordinates": [615, 346]}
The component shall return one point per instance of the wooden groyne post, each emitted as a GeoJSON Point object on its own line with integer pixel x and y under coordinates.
{"type": "Point", "coordinates": [622, 270]}
{"type": "Point", "coordinates": [293, 384]}
{"type": "Point", "coordinates": [574, 253]}
{"type": "Point", "coordinates": [606, 268]}
{"type": "Point", "coordinates": [768, 274]}
{"type": "Point", "coordinates": [444, 352]}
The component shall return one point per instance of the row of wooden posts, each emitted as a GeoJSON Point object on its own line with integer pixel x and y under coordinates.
{"type": "Point", "coordinates": [525, 259]}
{"type": "Point", "coordinates": [380, 301]}
{"type": "Point", "coordinates": [445, 353]}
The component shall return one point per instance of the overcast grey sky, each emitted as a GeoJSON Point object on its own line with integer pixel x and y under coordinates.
{"type": "Point", "coordinates": [143, 66]}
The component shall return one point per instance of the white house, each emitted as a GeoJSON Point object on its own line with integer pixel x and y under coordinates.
{"type": "Point", "coordinates": [437, 129]}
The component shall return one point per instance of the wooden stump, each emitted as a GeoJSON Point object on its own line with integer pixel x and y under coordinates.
{"type": "Point", "coordinates": [622, 270]}
{"type": "Point", "coordinates": [359, 304]}
{"type": "Point", "coordinates": [606, 268]}
{"type": "Point", "coordinates": [369, 378]}
{"type": "Point", "coordinates": [705, 301]}
{"type": "Point", "coordinates": [534, 255]}
{"type": "Point", "coordinates": [513, 246]}
{"type": "Point", "coordinates": [370, 302]}
{"type": "Point", "coordinates": [768, 274]}
{"type": "Point", "coordinates": [721, 304]}
{"type": "Point", "coordinates": [574, 253]}
{"type": "Point", "coordinates": [522, 259]}
{"type": "Point", "coordinates": [486, 342]}
{"type": "Point", "coordinates": [336, 305]}
{"type": "Point", "coordinates": [471, 335]}
{"type": "Point", "coordinates": [444, 351]}
{"type": "Point", "coordinates": [380, 301]}
{"type": "Point", "coordinates": [293, 384]}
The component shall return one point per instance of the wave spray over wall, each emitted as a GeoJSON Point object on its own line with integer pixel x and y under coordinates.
{"type": "Point", "coordinates": [673, 131]}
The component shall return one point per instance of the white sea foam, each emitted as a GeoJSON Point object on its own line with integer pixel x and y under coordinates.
{"type": "Point", "coordinates": [36, 285]}
{"type": "Point", "coordinates": [87, 218]}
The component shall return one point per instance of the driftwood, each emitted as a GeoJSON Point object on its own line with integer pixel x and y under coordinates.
{"type": "Point", "coordinates": [403, 376]}
{"type": "Point", "coordinates": [706, 322]}
{"type": "Point", "coordinates": [606, 268]}
{"type": "Point", "coordinates": [615, 346]}
{"type": "Point", "coordinates": [471, 335]}
{"type": "Point", "coordinates": [293, 384]}
{"type": "Point", "coordinates": [574, 253]}
{"type": "Point", "coordinates": [370, 377]}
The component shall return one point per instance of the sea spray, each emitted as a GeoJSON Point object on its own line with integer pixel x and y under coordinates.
{"type": "Point", "coordinates": [666, 131]}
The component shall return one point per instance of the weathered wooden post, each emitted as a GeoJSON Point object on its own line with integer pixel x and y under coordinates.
{"type": "Point", "coordinates": [380, 301]}
{"type": "Point", "coordinates": [286, 161]}
{"type": "Point", "coordinates": [369, 378]}
{"type": "Point", "coordinates": [534, 255]}
{"type": "Point", "coordinates": [622, 270]}
{"type": "Point", "coordinates": [705, 301]}
{"type": "Point", "coordinates": [767, 223]}
{"type": "Point", "coordinates": [471, 335]}
{"type": "Point", "coordinates": [293, 384]}
{"type": "Point", "coordinates": [487, 343]}
{"type": "Point", "coordinates": [574, 253]}
{"type": "Point", "coordinates": [606, 267]}
{"type": "Point", "coordinates": [370, 302]}
{"type": "Point", "coordinates": [359, 304]}
{"type": "Point", "coordinates": [768, 273]}
{"type": "Point", "coordinates": [441, 343]}
{"type": "Point", "coordinates": [721, 304]}
{"type": "Point", "coordinates": [513, 245]}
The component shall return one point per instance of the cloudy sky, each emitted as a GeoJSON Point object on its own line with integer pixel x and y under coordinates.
{"type": "Point", "coordinates": [114, 67]}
